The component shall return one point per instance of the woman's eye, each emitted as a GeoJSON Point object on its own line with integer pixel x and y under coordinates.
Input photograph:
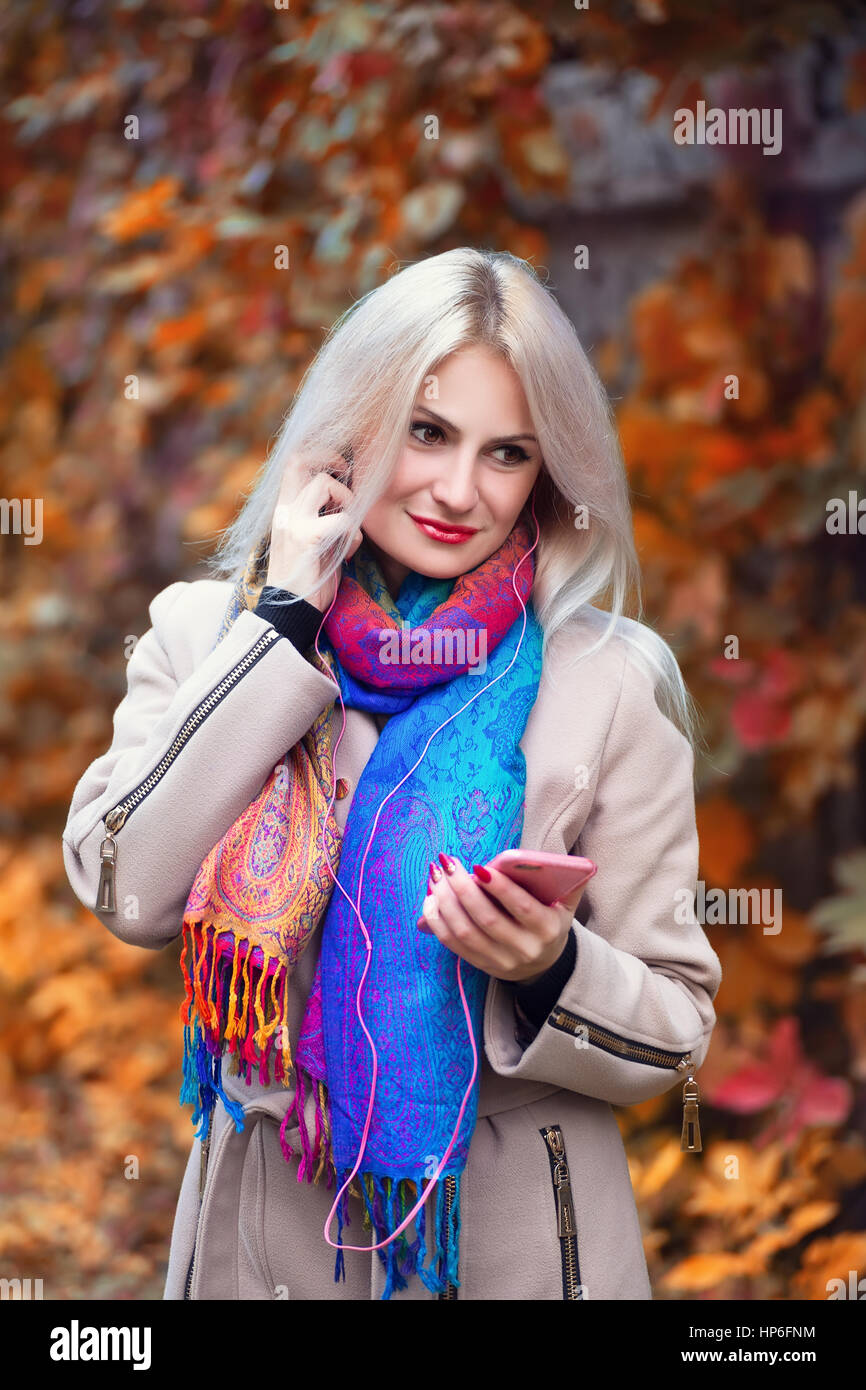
{"type": "Point", "coordinates": [518, 455]}
{"type": "Point", "coordinates": [522, 455]}
{"type": "Point", "coordinates": [424, 425]}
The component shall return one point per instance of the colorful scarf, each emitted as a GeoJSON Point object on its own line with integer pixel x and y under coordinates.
{"type": "Point", "coordinates": [264, 887]}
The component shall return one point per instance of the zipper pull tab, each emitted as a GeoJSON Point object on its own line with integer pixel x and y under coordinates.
{"type": "Point", "coordinates": [690, 1141]}
{"type": "Point", "coordinates": [564, 1208]}
{"type": "Point", "coordinates": [105, 892]}
{"type": "Point", "coordinates": [108, 854]}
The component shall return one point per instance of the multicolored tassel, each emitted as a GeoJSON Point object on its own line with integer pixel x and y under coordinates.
{"type": "Point", "coordinates": [234, 1005]}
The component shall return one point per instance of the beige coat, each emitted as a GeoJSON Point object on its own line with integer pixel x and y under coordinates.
{"type": "Point", "coordinates": [643, 977]}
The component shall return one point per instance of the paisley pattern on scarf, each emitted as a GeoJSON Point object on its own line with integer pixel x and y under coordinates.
{"type": "Point", "coordinates": [262, 890]}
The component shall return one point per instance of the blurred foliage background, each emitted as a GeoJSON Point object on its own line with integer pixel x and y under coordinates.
{"type": "Point", "coordinates": [155, 157]}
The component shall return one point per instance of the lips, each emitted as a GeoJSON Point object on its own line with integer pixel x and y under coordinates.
{"type": "Point", "coordinates": [442, 531]}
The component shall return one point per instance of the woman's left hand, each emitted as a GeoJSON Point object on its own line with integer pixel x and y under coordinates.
{"type": "Point", "coordinates": [501, 929]}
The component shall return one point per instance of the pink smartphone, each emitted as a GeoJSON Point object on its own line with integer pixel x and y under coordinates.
{"type": "Point", "coordinates": [546, 876]}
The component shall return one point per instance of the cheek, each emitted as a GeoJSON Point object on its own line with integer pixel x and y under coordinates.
{"type": "Point", "coordinates": [520, 490]}
{"type": "Point", "coordinates": [409, 474]}
{"type": "Point", "coordinates": [397, 496]}
{"type": "Point", "coordinates": [504, 503]}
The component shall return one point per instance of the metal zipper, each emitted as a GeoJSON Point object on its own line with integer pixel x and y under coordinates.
{"type": "Point", "coordinates": [608, 1041]}
{"type": "Point", "coordinates": [115, 818]}
{"type": "Point", "coordinates": [189, 1275]}
{"type": "Point", "coordinates": [566, 1226]}
{"type": "Point", "coordinates": [202, 1175]}
{"type": "Point", "coordinates": [450, 1290]}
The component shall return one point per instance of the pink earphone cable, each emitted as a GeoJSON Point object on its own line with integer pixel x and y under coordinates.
{"type": "Point", "coordinates": [369, 945]}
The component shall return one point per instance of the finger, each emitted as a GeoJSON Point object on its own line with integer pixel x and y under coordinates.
{"type": "Point", "coordinates": [300, 488]}
{"type": "Point", "coordinates": [430, 910]}
{"type": "Point", "coordinates": [440, 929]}
{"type": "Point", "coordinates": [331, 503]}
{"type": "Point", "coordinates": [521, 913]}
{"type": "Point", "coordinates": [456, 929]}
{"type": "Point", "coordinates": [302, 471]}
{"type": "Point", "coordinates": [513, 945]}
{"type": "Point", "coordinates": [517, 902]}
{"type": "Point", "coordinates": [291, 481]}
{"type": "Point", "coordinates": [330, 470]}
{"type": "Point", "coordinates": [310, 465]}
{"type": "Point", "coordinates": [322, 526]}
{"type": "Point", "coordinates": [306, 483]}
{"type": "Point", "coordinates": [325, 535]}
{"type": "Point", "coordinates": [485, 913]}
{"type": "Point", "coordinates": [571, 900]}
{"type": "Point", "coordinates": [321, 532]}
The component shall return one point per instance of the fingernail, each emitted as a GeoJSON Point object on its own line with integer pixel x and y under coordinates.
{"type": "Point", "coordinates": [484, 874]}
{"type": "Point", "coordinates": [435, 872]}
{"type": "Point", "coordinates": [447, 862]}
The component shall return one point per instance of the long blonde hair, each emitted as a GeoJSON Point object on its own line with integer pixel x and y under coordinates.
{"type": "Point", "coordinates": [358, 396]}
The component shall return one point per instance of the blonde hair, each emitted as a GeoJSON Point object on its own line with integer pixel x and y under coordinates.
{"type": "Point", "coordinates": [358, 395]}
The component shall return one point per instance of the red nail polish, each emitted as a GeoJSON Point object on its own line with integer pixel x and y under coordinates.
{"type": "Point", "coordinates": [447, 862]}
{"type": "Point", "coordinates": [434, 873]}
{"type": "Point", "coordinates": [484, 874]}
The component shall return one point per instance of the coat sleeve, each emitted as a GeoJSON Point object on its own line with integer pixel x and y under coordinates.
{"type": "Point", "coordinates": [248, 699]}
{"type": "Point", "coordinates": [640, 996]}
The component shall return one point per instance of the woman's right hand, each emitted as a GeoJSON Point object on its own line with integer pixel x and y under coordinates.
{"type": "Point", "coordinates": [297, 528]}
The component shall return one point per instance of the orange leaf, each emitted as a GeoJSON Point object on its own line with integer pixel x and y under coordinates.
{"type": "Point", "coordinates": [726, 839]}
{"type": "Point", "coordinates": [704, 1271]}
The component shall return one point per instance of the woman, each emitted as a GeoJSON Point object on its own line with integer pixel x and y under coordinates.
{"type": "Point", "coordinates": [399, 673]}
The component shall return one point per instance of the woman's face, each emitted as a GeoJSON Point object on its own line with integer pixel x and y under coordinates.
{"type": "Point", "coordinates": [470, 460]}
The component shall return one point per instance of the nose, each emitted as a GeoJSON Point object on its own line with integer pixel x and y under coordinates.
{"type": "Point", "coordinates": [455, 488]}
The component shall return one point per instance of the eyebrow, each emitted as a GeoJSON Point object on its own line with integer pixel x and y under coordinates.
{"type": "Point", "coordinates": [497, 439]}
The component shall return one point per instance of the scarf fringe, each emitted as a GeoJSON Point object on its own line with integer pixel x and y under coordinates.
{"type": "Point", "coordinates": [382, 1197]}
{"type": "Point", "coordinates": [224, 1013]}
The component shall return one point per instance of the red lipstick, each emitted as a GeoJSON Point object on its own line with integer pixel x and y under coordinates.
{"type": "Point", "coordinates": [450, 533]}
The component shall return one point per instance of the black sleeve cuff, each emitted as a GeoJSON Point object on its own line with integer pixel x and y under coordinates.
{"type": "Point", "coordinates": [298, 621]}
{"type": "Point", "coordinates": [538, 998]}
